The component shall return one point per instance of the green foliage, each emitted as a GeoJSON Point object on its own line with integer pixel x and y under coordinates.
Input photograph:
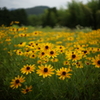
{"type": "Point", "coordinates": [50, 17]}
{"type": "Point", "coordinates": [6, 16]}
{"type": "Point", "coordinates": [35, 20]}
{"type": "Point", "coordinates": [83, 82]}
{"type": "Point", "coordinates": [94, 5]}
{"type": "Point", "coordinates": [98, 18]}
{"type": "Point", "coordinates": [77, 13]}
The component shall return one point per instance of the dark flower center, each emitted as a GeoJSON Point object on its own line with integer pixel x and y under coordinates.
{"type": "Point", "coordinates": [33, 51]}
{"type": "Point", "coordinates": [85, 51]}
{"type": "Point", "coordinates": [46, 47]}
{"type": "Point", "coordinates": [28, 68]}
{"type": "Point", "coordinates": [43, 53]}
{"type": "Point", "coordinates": [60, 47]}
{"type": "Point", "coordinates": [51, 52]}
{"type": "Point", "coordinates": [27, 90]}
{"type": "Point", "coordinates": [33, 56]}
{"type": "Point", "coordinates": [63, 73]}
{"type": "Point", "coordinates": [32, 45]}
{"type": "Point", "coordinates": [36, 43]}
{"type": "Point", "coordinates": [61, 50]}
{"type": "Point", "coordinates": [77, 63]}
{"type": "Point", "coordinates": [17, 81]}
{"type": "Point", "coordinates": [35, 33]}
{"type": "Point", "coordinates": [27, 51]}
{"type": "Point", "coordinates": [19, 52]}
{"type": "Point", "coordinates": [21, 42]}
{"type": "Point", "coordinates": [45, 70]}
{"type": "Point", "coordinates": [39, 48]}
{"type": "Point", "coordinates": [73, 56]}
{"type": "Point", "coordinates": [87, 63]}
{"type": "Point", "coordinates": [98, 62]}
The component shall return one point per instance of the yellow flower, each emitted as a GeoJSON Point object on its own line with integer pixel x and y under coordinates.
{"type": "Point", "coordinates": [39, 61]}
{"type": "Point", "coordinates": [46, 46]}
{"type": "Point", "coordinates": [32, 55]}
{"type": "Point", "coordinates": [54, 60]}
{"type": "Point", "coordinates": [79, 64]}
{"type": "Point", "coordinates": [73, 56]}
{"type": "Point", "coordinates": [22, 44]}
{"type": "Point", "coordinates": [19, 52]}
{"type": "Point", "coordinates": [70, 38]}
{"type": "Point", "coordinates": [60, 49]}
{"type": "Point", "coordinates": [63, 73]}
{"type": "Point", "coordinates": [42, 54]}
{"type": "Point", "coordinates": [27, 69]}
{"type": "Point", "coordinates": [96, 61]}
{"type": "Point", "coordinates": [27, 89]}
{"type": "Point", "coordinates": [8, 39]}
{"type": "Point", "coordinates": [45, 70]}
{"type": "Point", "coordinates": [17, 81]}
{"type": "Point", "coordinates": [22, 35]}
{"type": "Point", "coordinates": [66, 63]}
{"type": "Point", "coordinates": [52, 53]}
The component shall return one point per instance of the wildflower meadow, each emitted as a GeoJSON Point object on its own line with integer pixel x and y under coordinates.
{"type": "Point", "coordinates": [49, 65]}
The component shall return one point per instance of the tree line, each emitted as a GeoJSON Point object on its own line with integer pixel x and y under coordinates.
{"type": "Point", "coordinates": [76, 13]}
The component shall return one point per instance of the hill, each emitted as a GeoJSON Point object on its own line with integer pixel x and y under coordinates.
{"type": "Point", "coordinates": [36, 10]}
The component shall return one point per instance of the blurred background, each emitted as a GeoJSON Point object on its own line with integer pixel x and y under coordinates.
{"type": "Point", "coordinates": [50, 13]}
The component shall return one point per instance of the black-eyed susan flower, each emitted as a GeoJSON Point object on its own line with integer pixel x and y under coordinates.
{"type": "Point", "coordinates": [27, 53]}
{"type": "Point", "coordinates": [66, 63]}
{"type": "Point", "coordinates": [54, 60]}
{"type": "Point", "coordinates": [52, 53]}
{"type": "Point", "coordinates": [45, 70]}
{"type": "Point", "coordinates": [73, 56]}
{"type": "Point", "coordinates": [27, 89]}
{"type": "Point", "coordinates": [28, 69]}
{"type": "Point", "coordinates": [39, 61]}
{"type": "Point", "coordinates": [46, 46]}
{"type": "Point", "coordinates": [42, 54]}
{"type": "Point", "coordinates": [79, 64]}
{"type": "Point", "coordinates": [85, 52]}
{"type": "Point", "coordinates": [35, 33]}
{"type": "Point", "coordinates": [33, 56]}
{"type": "Point", "coordinates": [22, 35]}
{"type": "Point", "coordinates": [8, 39]}
{"type": "Point", "coordinates": [96, 61]}
{"type": "Point", "coordinates": [21, 44]}
{"type": "Point", "coordinates": [45, 59]}
{"type": "Point", "coordinates": [60, 49]}
{"type": "Point", "coordinates": [63, 73]}
{"type": "Point", "coordinates": [19, 52]}
{"type": "Point", "coordinates": [17, 81]}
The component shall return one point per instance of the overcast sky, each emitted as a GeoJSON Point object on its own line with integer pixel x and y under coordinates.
{"type": "Point", "coordinates": [33, 3]}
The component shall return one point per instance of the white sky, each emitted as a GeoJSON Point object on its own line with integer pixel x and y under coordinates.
{"type": "Point", "coordinates": [33, 3]}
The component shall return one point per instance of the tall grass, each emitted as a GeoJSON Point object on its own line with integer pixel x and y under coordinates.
{"type": "Point", "coordinates": [83, 83]}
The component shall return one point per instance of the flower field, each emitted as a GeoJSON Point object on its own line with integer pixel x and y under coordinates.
{"type": "Point", "coordinates": [39, 65]}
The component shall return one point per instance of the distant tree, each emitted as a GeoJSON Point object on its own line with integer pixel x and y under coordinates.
{"type": "Point", "coordinates": [21, 16]}
{"type": "Point", "coordinates": [78, 14]}
{"type": "Point", "coordinates": [4, 16]}
{"type": "Point", "coordinates": [98, 19]}
{"type": "Point", "coordinates": [35, 20]}
{"type": "Point", "coordinates": [74, 10]}
{"type": "Point", "coordinates": [94, 5]}
{"type": "Point", "coordinates": [7, 16]}
{"type": "Point", "coordinates": [86, 18]}
{"type": "Point", "coordinates": [50, 17]}
{"type": "Point", "coordinates": [63, 17]}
